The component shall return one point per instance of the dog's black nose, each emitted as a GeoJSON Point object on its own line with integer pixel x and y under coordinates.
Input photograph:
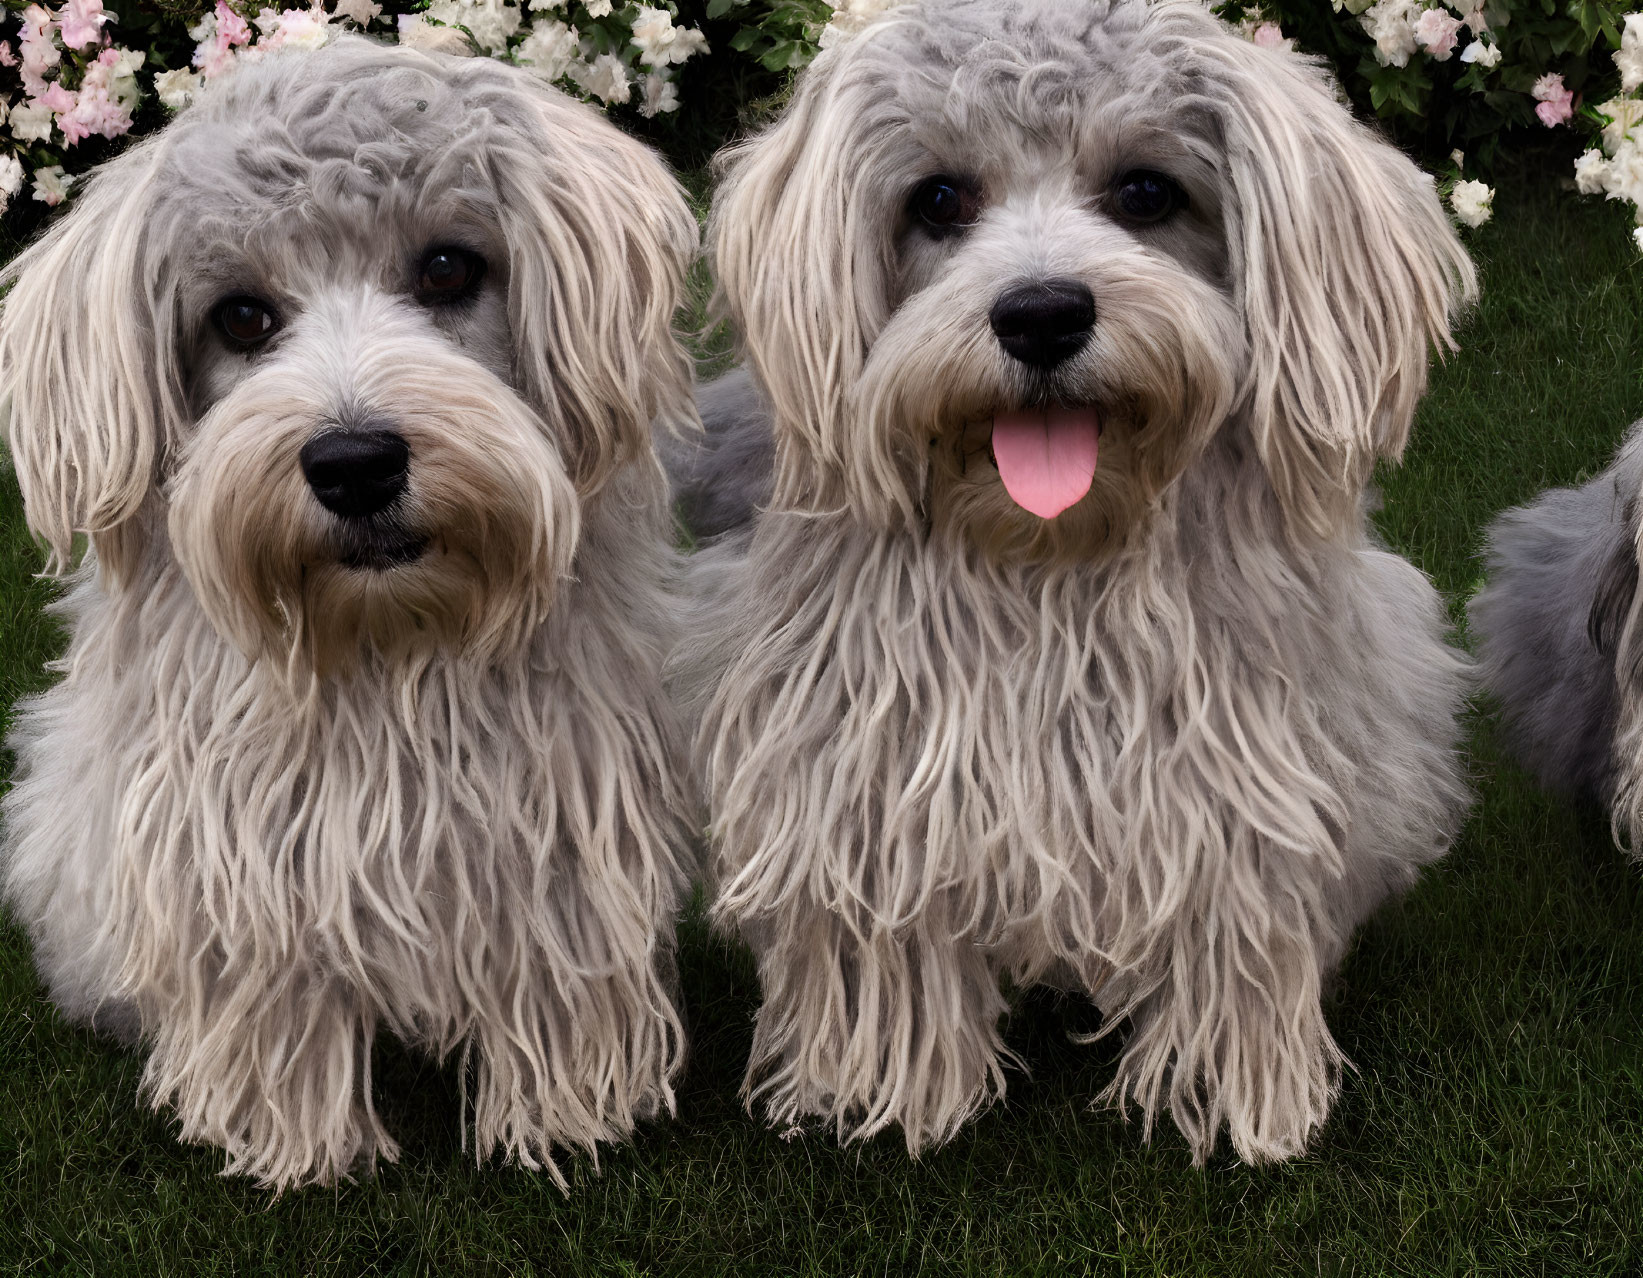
{"type": "Point", "coordinates": [1044, 324]}
{"type": "Point", "coordinates": [356, 473]}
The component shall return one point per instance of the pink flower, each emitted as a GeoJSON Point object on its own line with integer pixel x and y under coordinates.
{"type": "Point", "coordinates": [216, 49]}
{"type": "Point", "coordinates": [1435, 30]}
{"type": "Point", "coordinates": [231, 28]}
{"type": "Point", "coordinates": [1557, 103]}
{"type": "Point", "coordinates": [7, 57]}
{"type": "Point", "coordinates": [56, 98]}
{"type": "Point", "coordinates": [40, 51]}
{"type": "Point", "coordinates": [81, 21]}
{"type": "Point", "coordinates": [95, 112]}
{"type": "Point", "coordinates": [1269, 35]}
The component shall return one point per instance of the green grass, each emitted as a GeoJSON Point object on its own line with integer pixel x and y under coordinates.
{"type": "Point", "coordinates": [1494, 1125]}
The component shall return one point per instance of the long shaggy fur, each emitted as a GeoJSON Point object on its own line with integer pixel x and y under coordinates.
{"type": "Point", "coordinates": [1170, 747]}
{"type": "Point", "coordinates": [278, 803]}
{"type": "Point", "coordinates": [1555, 631]}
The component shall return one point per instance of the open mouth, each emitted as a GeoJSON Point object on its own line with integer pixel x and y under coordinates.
{"type": "Point", "coordinates": [1047, 456]}
{"type": "Point", "coordinates": [380, 551]}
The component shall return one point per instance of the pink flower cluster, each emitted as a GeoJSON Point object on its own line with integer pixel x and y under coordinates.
{"type": "Point", "coordinates": [103, 102]}
{"type": "Point", "coordinates": [219, 33]}
{"type": "Point", "coordinates": [1557, 103]}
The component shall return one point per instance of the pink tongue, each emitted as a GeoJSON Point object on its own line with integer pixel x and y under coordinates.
{"type": "Point", "coordinates": [1046, 458]}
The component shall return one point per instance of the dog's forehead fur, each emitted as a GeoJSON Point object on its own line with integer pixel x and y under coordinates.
{"type": "Point", "coordinates": [1041, 66]}
{"type": "Point", "coordinates": [349, 159]}
{"type": "Point", "coordinates": [281, 127]}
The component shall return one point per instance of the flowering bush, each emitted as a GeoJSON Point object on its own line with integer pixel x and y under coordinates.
{"type": "Point", "coordinates": [68, 75]}
{"type": "Point", "coordinates": [1457, 78]}
{"type": "Point", "coordinates": [1485, 75]}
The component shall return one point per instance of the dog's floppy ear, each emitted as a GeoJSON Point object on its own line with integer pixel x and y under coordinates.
{"type": "Point", "coordinates": [800, 276]}
{"type": "Point", "coordinates": [88, 369]}
{"type": "Point", "coordinates": [599, 238]}
{"type": "Point", "coordinates": [1349, 270]}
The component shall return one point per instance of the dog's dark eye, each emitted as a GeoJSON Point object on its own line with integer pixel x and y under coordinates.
{"type": "Point", "coordinates": [945, 204]}
{"type": "Point", "coordinates": [1145, 196]}
{"type": "Point", "coordinates": [449, 275]}
{"type": "Point", "coordinates": [245, 321]}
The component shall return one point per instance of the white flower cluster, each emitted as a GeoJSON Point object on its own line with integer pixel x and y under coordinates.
{"type": "Point", "coordinates": [1403, 28]}
{"type": "Point", "coordinates": [587, 46]}
{"type": "Point", "coordinates": [849, 17]}
{"type": "Point", "coordinates": [1615, 170]}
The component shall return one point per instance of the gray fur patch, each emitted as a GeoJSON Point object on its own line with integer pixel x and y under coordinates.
{"type": "Point", "coordinates": [721, 479]}
{"type": "Point", "coordinates": [1558, 568]}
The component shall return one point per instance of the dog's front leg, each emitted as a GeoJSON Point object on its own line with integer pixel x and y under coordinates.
{"type": "Point", "coordinates": [574, 1051]}
{"type": "Point", "coordinates": [1227, 1026]}
{"type": "Point", "coordinates": [273, 1064]}
{"type": "Point", "coordinates": [868, 1026]}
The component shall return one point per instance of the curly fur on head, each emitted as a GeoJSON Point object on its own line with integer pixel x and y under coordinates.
{"type": "Point", "coordinates": [1558, 639]}
{"type": "Point", "coordinates": [312, 771]}
{"type": "Point", "coordinates": [1170, 746]}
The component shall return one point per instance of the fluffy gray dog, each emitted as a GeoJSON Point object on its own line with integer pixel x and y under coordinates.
{"type": "Point", "coordinates": [349, 376]}
{"type": "Point", "coordinates": [1059, 648]}
{"type": "Point", "coordinates": [1559, 639]}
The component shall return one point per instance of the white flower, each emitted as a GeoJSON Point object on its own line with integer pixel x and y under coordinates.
{"type": "Point", "coordinates": [31, 122]}
{"type": "Point", "coordinates": [51, 184]}
{"type": "Point", "coordinates": [850, 17]}
{"type": "Point", "coordinates": [1351, 6]}
{"type": "Point", "coordinates": [652, 33]}
{"type": "Point", "coordinates": [120, 77]}
{"type": "Point", "coordinates": [604, 78]}
{"type": "Point", "coordinates": [176, 89]}
{"type": "Point", "coordinates": [661, 95]}
{"type": "Point", "coordinates": [1629, 60]}
{"type": "Point", "coordinates": [534, 5]}
{"type": "Point", "coordinates": [660, 42]}
{"type": "Point", "coordinates": [1471, 13]}
{"type": "Point", "coordinates": [301, 29]}
{"type": "Point", "coordinates": [1436, 32]}
{"type": "Point", "coordinates": [360, 12]}
{"type": "Point", "coordinates": [1391, 25]}
{"type": "Point", "coordinates": [204, 29]}
{"type": "Point", "coordinates": [1591, 173]}
{"type": "Point", "coordinates": [266, 21]}
{"type": "Point", "coordinates": [598, 9]}
{"type": "Point", "coordinates": [1457, 157]}
{"type": "Point", "coordinates": [1485, 55]}
{"type": "Point", "coordinates": [415, 32]}
{"type": "Point", "coordinates": [1625, 114]}
{"type": "Point", "coordinates": [1637, 238]}
{"type": "Point", "coordinates": [490, 22]}
{"type": "Point", "coordinates": [11, 176]}
{"type": "Point", "coordinates": [1623, 180]}
{"type": "Point", "coordinates": [1473, 202]}
{"type": "Point", "coordinates": [549, 49]}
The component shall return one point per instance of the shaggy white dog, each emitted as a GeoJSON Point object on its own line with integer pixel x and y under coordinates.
{"type": "Point", "coordinates": [1560, 639]}
{"type": "Point", "coordinates": [349, 376]}
{"type": "Point", "coordinates": [1059, 647]}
